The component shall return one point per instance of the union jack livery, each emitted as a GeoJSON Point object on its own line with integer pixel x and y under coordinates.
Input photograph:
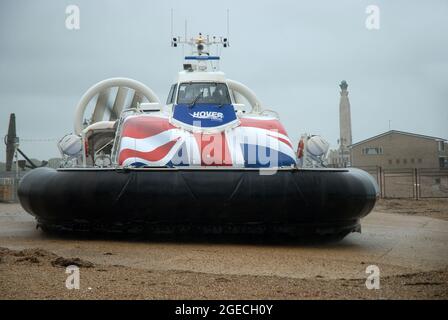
{"type": "Point", "coordinates": [255, 142]}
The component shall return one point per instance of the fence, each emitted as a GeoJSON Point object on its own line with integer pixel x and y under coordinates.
{"type": "Point", "coordinates": [8, 189]}
{"type": "Point", "coordinates": [416, 183]}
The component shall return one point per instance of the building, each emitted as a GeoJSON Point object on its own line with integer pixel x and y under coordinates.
{"type": "Point", "coordinates": [399, 150]}
{"type": "Point", "coordinates": [341, 156]}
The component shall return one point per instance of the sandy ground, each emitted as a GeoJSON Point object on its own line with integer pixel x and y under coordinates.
{"type": "Point", "coordinates": [434, 208]}
{"type": "Point", "coordinates": [411, 251]}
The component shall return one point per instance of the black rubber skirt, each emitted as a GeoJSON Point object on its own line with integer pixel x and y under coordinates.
{"type": "Point", "coordinates": [294, 201]}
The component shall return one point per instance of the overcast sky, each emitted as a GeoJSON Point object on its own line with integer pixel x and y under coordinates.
{"type": "Point", "coordinates": [293, 54]}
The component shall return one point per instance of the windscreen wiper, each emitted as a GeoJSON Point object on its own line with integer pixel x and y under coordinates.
{"type": "Point", "coordinates": [196, 99]}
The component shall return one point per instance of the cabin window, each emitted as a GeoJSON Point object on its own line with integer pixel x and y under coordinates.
{"type": "Point", "coordinates": [205, 93]}
{"type": "Point", "coordinates": [171, 95]}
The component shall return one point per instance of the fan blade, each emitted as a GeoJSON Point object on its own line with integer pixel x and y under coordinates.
{"type": "Point", "coordinates": [120, 100]}
{"type": "Point", "coordinates": [137, 99]}
{"type": "Point", "coordinates": [101, 105]}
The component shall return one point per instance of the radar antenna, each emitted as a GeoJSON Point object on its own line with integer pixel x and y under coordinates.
{"type": "Point", "coordinates": [200, 44]}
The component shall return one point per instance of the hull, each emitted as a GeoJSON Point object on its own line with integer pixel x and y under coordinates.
{"type": "Point", "coordinates": [292, 201]}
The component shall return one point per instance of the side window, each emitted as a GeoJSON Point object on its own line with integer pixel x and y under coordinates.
{"type": "Point", "coordinates": [171, 94]}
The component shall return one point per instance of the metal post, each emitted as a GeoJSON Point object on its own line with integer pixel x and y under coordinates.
{"type": "Point", "coordinates": [84, 156]}
{"type": "Point", "coordinates": [417, 184]}
{"type": "Point", "coordinates": [380, 180]}
{"type": "Point", "coordinates": [17, 164]}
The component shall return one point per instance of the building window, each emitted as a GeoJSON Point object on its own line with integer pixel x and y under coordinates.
{"type": "Point", "coordinates": [390, 161]}
{"type": "Point", "coordinates": [397, 161]}
{"type": "Point", "coordinates": [412, 160]}
{"type": "Point", "coordinates": [372, 150]}
{"type": "Point", "coordinates": [441, 146]}
{"type": "Point", "coordinates": [405, 161]}
{"type": "Point", "coordinates": [419, 160]}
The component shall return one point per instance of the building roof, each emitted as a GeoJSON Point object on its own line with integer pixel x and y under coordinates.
{"type": "Point", "coordinates": [397, 132]}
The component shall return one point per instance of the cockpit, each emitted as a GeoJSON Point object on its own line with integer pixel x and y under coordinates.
{"type": "Point", "coordinates": [192, 93]}
{"type": "Point", "coordinates": [202, 106]}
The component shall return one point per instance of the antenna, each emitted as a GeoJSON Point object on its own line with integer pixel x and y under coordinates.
{"type": "Point", "coordinates": [228, 23]}
{"type": "Point", "coordinates": [200, 47]}
{"type": "Point", "coordinates": [201, 40]}
{"type": "Point", "coordinates": [226, 39]}
{"type": "Point", "coordinates": [172, 23]}
{"type": "Point", "coordinates": [186, 28]}
{"type": "Point", "coordinates": [174, 39]}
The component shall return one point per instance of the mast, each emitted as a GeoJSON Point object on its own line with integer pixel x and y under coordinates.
{"type": "Point", "coordinates": [201, 58]}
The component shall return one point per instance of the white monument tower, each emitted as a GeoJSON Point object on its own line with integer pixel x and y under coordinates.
{"type": "Point", "coordinates": [345, 126]}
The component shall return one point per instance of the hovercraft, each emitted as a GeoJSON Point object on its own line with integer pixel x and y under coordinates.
{"type": "Point", "coordinates": [211, 160]}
